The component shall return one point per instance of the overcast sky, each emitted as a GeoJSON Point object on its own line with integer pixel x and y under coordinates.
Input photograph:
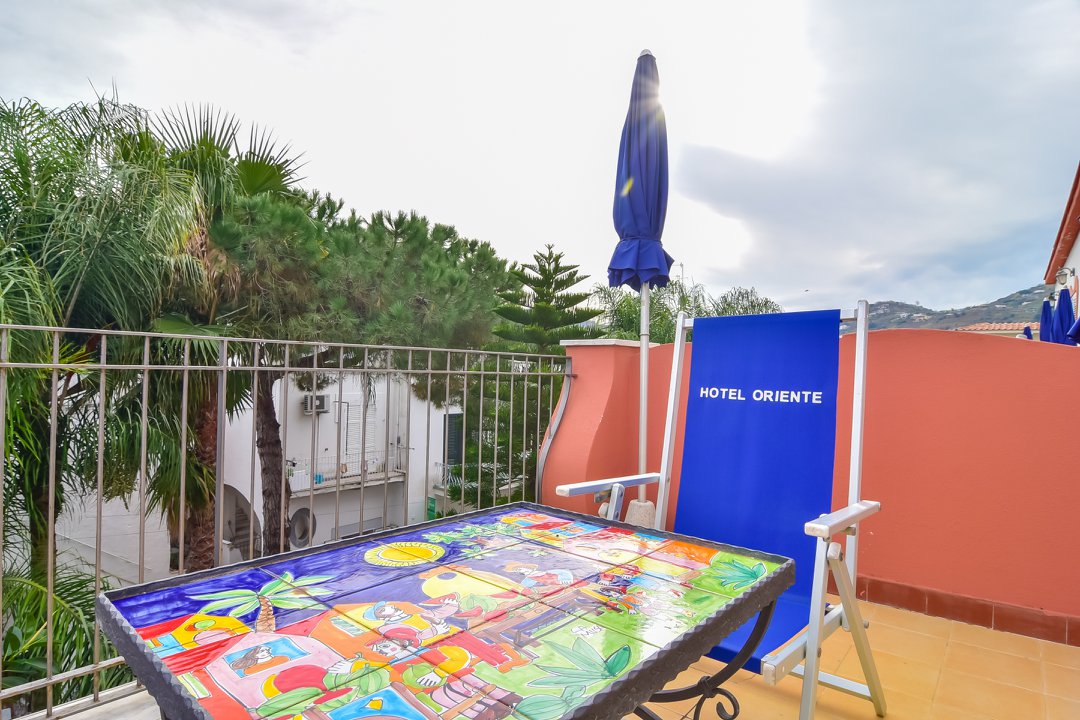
{"type": "Point", "coordinates": [820, 151]}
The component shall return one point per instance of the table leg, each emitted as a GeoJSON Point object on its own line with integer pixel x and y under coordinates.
{"type": "Point", "coordinates": [709, 687]}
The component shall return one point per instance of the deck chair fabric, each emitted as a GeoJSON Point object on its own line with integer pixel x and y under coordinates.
{"type": "Point", "coordinates": [759, 447]}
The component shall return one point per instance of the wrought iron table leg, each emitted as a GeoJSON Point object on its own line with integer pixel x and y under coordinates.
{"type": "Point", "coordinates": [709, 687]}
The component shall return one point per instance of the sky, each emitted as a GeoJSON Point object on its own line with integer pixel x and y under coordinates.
{"type": "Point", "coordinates": [821, 152]}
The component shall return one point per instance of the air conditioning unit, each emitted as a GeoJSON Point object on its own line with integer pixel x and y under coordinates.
{"type": "Point", "coordinates": [321, 404]}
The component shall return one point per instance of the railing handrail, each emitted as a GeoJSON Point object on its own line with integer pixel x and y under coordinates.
{"type": "Point", "coordinates": [273, 341]}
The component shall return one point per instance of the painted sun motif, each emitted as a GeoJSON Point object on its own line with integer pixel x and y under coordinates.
{"type": "Point", "coordinates": [404, 554]}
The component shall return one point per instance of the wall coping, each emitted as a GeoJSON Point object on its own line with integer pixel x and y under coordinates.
{"type": "Point", "coordinates": [605, 342]}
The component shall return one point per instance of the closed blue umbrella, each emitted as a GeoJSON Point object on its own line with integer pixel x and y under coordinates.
{"type": "Point", "coordinates": [1064, 317]}
{"type": "Point", "coordinates": [641, 186]}
{"type": "Point", "coordinates": [641, 191]}
{"type": "Point", "coordinates": [1027, 332]}
{"type": "Point", "coordinates": [1046, 323]}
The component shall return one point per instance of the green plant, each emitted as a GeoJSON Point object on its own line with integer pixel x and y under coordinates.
{"type": "Point", "coordinates": [588, 667]}
{"type": "Point", "coordinates": [736, 575]}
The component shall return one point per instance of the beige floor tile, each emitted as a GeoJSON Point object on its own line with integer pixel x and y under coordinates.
{"type": "Point", "coordinates": [835, 650]}
{"type": "Point", "coordinates": [708, 665]}
{"type": "Point", "coordinates": [996, 640]}
{"type": "Point", "coordinates": [660, 710]}
{"type": "Point", "coordinates": [981, 696]}
{"type": "Point", "coordinates": [1062, 681]}
{"type": "Point", "coordinates": [931, 668]}
{"type": "Point", "coordinates": [897, 673]}
{"type": "Point", "coordinates": [941, 712]}
{"type": "Point", "coordinates": [938, 627]}
{"type": "Point", "coordinates": [993, 665]}
{"type": "Point", "coordinates": [906, 643]}
{"type": "Point", "coordinates": [1060, 654]}
{"type": "Point", "coordinates": [1062, 709]}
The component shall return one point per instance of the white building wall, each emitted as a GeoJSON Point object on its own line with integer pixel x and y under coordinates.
{"type": "Point", "coordinates": [415, 435]}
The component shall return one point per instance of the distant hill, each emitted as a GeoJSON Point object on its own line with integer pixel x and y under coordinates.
{"type": "Point", "coordinates": [1022, 306]}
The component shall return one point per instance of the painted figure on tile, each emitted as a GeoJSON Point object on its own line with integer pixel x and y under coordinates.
{"type": "Point", "coordinates": [537, 577]}
{"type": "Point", "coordinates": [425, 624]}
{"type": "Point", "coordinates": [440, 674]}
{"type": "Point", "coordinates": [257, 659]}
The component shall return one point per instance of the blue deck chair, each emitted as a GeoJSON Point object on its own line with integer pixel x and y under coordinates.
{"type": "Point", "coordinates": [757, 472]}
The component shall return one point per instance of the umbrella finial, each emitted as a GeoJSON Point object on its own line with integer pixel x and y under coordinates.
{"type": "Point", "coordinates": [645, 52]}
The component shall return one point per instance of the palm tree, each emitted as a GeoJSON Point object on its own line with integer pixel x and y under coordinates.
{"type": "Point", "coordinates": [621, 310]}
{"type": "Point", "coordinates": [93, 223]}
{"type": "Point", "coordinates": [205, 143]}
{"type": "Point", "coordinates": [283, 592]}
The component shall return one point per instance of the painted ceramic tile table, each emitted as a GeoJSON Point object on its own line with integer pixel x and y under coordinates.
{"type": "Point", "coordinates": [523, 612]}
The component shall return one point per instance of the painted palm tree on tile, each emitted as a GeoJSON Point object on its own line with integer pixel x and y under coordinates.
{"type": "Point", "coordinates": [285, 592]}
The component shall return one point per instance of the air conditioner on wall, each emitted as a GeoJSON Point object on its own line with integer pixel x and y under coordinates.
{"type": "Point", "coordinates": [320, 404]}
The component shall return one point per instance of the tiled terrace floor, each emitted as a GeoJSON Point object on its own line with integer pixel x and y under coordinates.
{"type": "Point", "coordinates": [932, 669]}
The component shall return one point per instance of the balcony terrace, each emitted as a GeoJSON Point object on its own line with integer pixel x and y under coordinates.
{"type": "Point", "coordinates": [409, 434]}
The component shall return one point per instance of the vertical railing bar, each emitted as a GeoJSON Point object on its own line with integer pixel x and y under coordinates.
{"type": "Point", "coordinates": [480, 441]}
{"type": "Point", "coordinates": [446, 437]}
{"type": "Point", "coordinates": [510, 439]}
{"type": "Point", "coordinates": [219, 457]}
{"type": "Point", "coordinates": [337, 442]}
{"type": "Point", "coordinates": [386, 448]}
{"type": "Point", "coordinates": [464, 424]}
{"type": "Point", "coordinates": [284, 448]}
{"type": "Point", "coordinates": [144, 431]}
{"type": "Point", "coordinates": [539, 409]}
{"type": "Point", "coordinates": [99, 478]}
{"type": "Point", "coordinates": [5, 338]}
{"type": "Point", "coordinates": [524, 426]}
{"type": "Point", "coordinates": [408, 440]}
{"type": "Point", "coordinates": [311, 447]}
{"type": "Point", "coordinates": [181, 517]}
{"type": "Point", "coordinates": [255, 360]}
{"type": "Point", "coordinates": [495, 459]}
{"type": "Point", "coordinates": [366, 386]}
{"type": "Point", "coordinates": [427, 442]}
{"type": "Point", "coordinates": [50, 540]}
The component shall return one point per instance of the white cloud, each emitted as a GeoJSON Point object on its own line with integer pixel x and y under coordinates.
{"type": "Point", "coordinates": [914, 150]}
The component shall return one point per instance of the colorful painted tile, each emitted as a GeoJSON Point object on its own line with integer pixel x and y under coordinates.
{"type": "Point", "coordinates": [352, 568]}
{"type": "Point", "coordinates": [705, 568]}
{"type": "Point", "coordinates": [458, 540]}
{"type": "Point", "coordinates": [530, 524]}
{"type": "Point", "coordinates": [569, 661]}
{"type": "Point", "coordinates": [611, 545]}
{"type": "Point", "coordinates": [640, 605]}
{"type": "Point", "coordinates": [183, 612]}
{"type": "Point", "coordinates": [424, 679]}
{"type": "Point", "coordinates": [530, 569]}
{"type": "Point", "coordinates": [273, 674]}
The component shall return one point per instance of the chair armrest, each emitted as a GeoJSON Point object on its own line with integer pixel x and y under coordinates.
{"type": "Point", "coordinates": [837, 522]}
{"type": "Point", "coordinates": [591, 487]}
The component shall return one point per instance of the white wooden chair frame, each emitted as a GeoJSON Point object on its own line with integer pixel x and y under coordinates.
{"type": "Point", "coordinates": [802, 655]}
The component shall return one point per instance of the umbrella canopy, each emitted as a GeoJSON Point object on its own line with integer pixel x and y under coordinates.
{"type": "Point", "coordinates": [641, 186]}
{"type": "Point", "coordinates": [1027, 332]}
{"type": "Point", "coordinates": [1064, 317]}
{"type": "Point", "coordinates": [1046, 323]}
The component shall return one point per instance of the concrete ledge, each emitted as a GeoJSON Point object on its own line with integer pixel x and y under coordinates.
{"type": "Point", "coordinates": [605, 342]}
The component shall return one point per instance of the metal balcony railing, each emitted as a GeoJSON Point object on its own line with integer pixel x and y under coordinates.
{"type": "Point", "coordinates": [130, 456]}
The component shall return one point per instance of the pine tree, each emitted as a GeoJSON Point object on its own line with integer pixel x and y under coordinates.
{"type": "Point", "coordinates": [541, 312]}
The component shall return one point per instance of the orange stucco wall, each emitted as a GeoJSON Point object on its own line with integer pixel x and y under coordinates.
{"type": "Point", "coordinates": [970, 445]}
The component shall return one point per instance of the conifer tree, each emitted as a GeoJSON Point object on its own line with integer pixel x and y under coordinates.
{"type": "Point", "coordinates": [542, 311]}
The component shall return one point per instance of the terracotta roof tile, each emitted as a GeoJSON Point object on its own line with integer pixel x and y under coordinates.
{"type": "Point", "coordinates": [985, 326]}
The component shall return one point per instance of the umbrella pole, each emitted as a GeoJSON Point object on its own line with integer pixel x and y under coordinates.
{"type": "Point", "coordinates": [643, 390]}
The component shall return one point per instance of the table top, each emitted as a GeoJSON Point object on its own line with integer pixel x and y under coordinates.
{"type": "Point", "coordinates": [522, 611]}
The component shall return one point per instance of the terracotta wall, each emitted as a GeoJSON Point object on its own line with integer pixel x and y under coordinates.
{"type": "Point", "coordinates": [971, 446]}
